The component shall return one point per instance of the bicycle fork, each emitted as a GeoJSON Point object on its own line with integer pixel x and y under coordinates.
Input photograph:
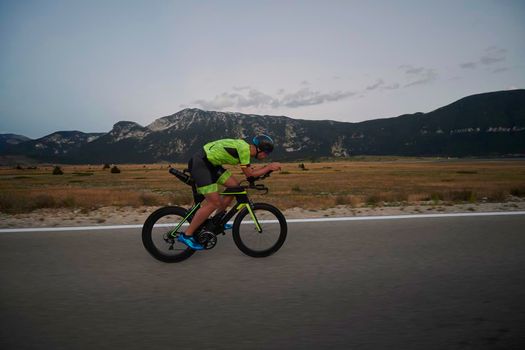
{"type": "Point", "coordinates": [248, 207]}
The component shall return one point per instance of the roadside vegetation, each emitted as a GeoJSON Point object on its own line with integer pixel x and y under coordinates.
{"type": "Point", "coordinates": [318, 185]}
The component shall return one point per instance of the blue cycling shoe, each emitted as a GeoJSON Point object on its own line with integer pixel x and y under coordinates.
{"type": "Point", "coordinates": [228, 226]}
{"type": "Point", "coordinates": [190, 242]}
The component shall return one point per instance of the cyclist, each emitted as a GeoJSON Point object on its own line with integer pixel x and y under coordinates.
{"type": "Point", "coordinates": [207, 171]}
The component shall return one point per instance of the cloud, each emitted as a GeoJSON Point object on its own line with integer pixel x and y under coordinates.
{"type": "Point", "coordinates": [258, 99]}
{"type": "Point", "coordinates": [500, 70]}
{"type": "Point", "coordinates": [491, 56]}
{"type": "Point", "coordinates": [377, 84]}
{"type": "Point", "coordinates": [222, 101]}
{"type": "Point", "coordinates": [307, 97]}
{"type": "Point", "coordinates": [418, 75]}
{"type": "Point", "coordinates": [468, 65]}
{"type": "Point", "coordinates": [255, 98]}
{"type": "Point", "coordinates": [393, 86]}
{"type": "Point", "coordinates": [241, 88]}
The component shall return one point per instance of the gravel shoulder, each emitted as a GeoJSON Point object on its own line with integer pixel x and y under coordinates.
{"type": "Point", "coordinates": [133, 215]}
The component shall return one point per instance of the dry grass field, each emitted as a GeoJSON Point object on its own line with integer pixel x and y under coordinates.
{"type": "Point", "coordinates": [355, 183]}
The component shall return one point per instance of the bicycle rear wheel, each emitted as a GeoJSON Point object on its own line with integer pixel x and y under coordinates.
{"type": "Point", "coordinates": [273, 230]}
{"type": "Point", "coordinates": [159, 238]}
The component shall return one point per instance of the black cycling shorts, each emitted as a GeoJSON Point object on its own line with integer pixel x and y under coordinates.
{"type": "Point", "coordinates": [207, 176]}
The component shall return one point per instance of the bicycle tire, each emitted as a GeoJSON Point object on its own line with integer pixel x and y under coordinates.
{"type": "Point", "coordinates": [153, 244]}
{"type": "Point", "coordinates": [240, 233]}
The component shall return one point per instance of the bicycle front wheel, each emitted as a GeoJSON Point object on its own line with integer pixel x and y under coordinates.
{"type": "Point", "coordinates": [160, 238]}
{"type": "Point", "coordinates": [261, 235]}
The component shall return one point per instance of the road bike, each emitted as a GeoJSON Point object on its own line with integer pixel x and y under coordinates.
{"type": "Point", "coordinates": [259, 229]}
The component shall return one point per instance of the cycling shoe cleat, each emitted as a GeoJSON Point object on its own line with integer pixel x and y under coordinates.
{"type": "Point", "coordinates": [228, 226]}
{"type": "Point", "coordinates": [190, 242]}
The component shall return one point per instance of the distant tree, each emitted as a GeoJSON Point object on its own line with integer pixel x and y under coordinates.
{"type": "Point", "coordinates": [57, 170]}
{"type": "Point", "coordinates": [106, 166]}
{"type": "Point", "coordinates": [115, 170]}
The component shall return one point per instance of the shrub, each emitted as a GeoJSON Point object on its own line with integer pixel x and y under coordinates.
{"type": "Point", "coordinates": [115, 170]}
{"type": "Point", "coordinates": [296, 189]}
{"type": "Point", "coordinates": [7, 202]}
{"type": "Point", "coordinates": [373, 200]}
{"type": "Point", "coordinates": [343, 200]}
{"type": "Point", "coordinates": [180, 198]}
{"type": "Point", "coordinates": [69, 202]}
{"type": "Point", "coordinates": [43, 201]}
{"type": "Point", "coordinates": [57, 171]}
{"type": "Point", "coordinates": [148, 199]}
{"type": "Point", "coordinates": [106, 166]}
{"type": "Point", "coordinates": [518, 192]}
{"type": "Point", "coordinates": [436, 197]}
{"type": "Point", "coordinates": [463, 196]}
{"type": "Point", "coordinates": [497, 196]}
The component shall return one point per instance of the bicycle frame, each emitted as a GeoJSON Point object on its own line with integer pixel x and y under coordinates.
{"type": "Point", "coordinates": [242, 201]}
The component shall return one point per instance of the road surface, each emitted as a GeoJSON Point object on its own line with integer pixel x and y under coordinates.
{"type": "Point", "coordinates": [429, 283]}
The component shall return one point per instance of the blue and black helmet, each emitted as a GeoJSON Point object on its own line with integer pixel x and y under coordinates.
{"type": "Point", "coordinates": [263, 143]}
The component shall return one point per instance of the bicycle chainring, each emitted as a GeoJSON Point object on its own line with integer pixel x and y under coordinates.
{"type": "Point", "coordinates": [207, 239]}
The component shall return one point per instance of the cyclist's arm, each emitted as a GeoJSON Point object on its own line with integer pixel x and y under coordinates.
{"type": "Point", "coordinates": [250, 171]}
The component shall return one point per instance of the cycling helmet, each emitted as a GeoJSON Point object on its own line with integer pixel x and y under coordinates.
{"type": "Point", "coordinates": [263, 143]}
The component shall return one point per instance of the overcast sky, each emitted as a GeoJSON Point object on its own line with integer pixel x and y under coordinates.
{"type": "Point", "coordinates": [85, 65]}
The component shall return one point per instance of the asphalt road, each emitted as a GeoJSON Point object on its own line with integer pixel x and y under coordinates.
{"type": "Point", "coordinates": [434, 283]}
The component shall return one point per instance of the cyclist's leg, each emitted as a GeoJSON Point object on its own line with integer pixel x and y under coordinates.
{"type": "Point", "coordinates": [213, 201]}
{"type": "Point", "coordinates": [231, 181]}
{"type": "Point", "coordinates": [206, 177]}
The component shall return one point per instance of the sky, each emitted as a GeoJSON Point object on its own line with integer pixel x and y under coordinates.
{"type": "Point", "coordinates": [85, 65]}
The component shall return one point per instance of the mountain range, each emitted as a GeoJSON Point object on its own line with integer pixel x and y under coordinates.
{"type": "Point", "coordinates": [489, 124]}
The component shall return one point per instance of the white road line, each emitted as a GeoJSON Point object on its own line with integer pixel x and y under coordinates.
{"type": "Point", "coordinates": [328, 219]}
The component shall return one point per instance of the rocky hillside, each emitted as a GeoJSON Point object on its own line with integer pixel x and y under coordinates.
{"type": "Point", "coordinates": [491, 124]}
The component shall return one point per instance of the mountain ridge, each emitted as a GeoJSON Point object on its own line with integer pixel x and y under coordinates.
{"type": "Point", "coordinates": [488, 124]}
